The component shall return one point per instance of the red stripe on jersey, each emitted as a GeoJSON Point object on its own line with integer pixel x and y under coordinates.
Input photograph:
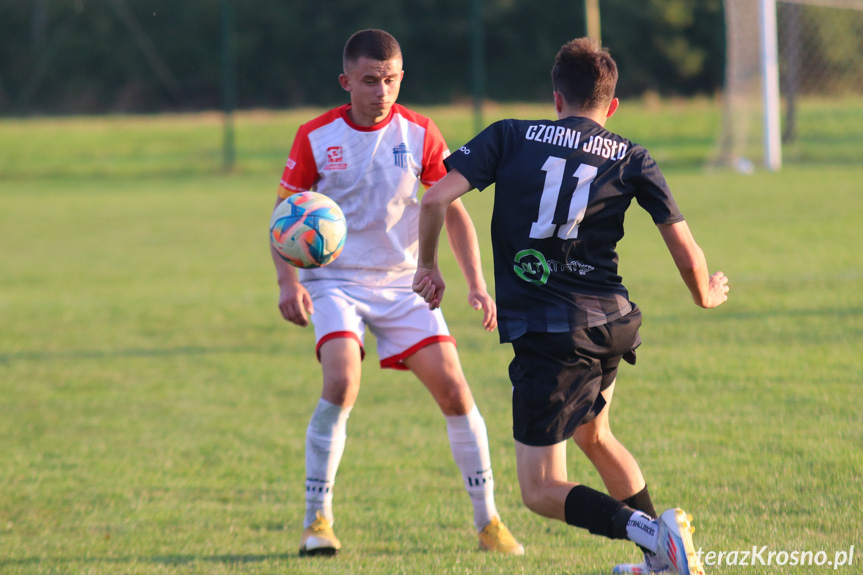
{"type": "Point", "coordinates": [435, 149]}
{"type": "Point", "coordinates": [301, 171]}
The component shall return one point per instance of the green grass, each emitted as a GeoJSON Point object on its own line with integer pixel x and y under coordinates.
{"type": "Point", "coordinates": [154, 404]}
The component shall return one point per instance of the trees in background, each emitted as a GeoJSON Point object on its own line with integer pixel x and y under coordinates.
{"type": "Point", "coordinates": [97, 56]}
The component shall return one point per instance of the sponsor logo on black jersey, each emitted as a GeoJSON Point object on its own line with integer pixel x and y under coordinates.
{"type": "Point", "coordinates": [574, 266]}
{"type": "Point", "coordinates": [530, 265]}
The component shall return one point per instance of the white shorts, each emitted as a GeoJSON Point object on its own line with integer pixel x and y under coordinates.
{"type": "Point", "coordinates": [400, 320]}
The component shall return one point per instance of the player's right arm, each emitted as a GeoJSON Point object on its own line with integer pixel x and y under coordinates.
{"type": "Point", "coordinates": [300, 174]}
{"type": "Point", "coordinates": [295, 303]}
{"type": "Point", "coordinates": [707, 291]}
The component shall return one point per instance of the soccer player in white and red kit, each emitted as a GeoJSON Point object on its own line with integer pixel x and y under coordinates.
{"type": "Point", "coordinates": [370, 156]}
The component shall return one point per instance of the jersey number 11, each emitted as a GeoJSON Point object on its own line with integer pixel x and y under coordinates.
{"type": "Point", "coordinates": [544, 225]}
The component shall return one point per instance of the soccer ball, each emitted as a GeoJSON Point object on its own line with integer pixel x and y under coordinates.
{"type": "Point", "coordinates": [308, 230]}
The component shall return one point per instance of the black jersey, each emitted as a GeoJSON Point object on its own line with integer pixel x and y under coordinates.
{"type": "Point", "coordinates": [562, 188]}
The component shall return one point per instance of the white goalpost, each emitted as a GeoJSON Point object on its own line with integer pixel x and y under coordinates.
{"type": "Point", "coordinates": [783, 58]}
{"type": "Point", "coordinates": [768, 41]}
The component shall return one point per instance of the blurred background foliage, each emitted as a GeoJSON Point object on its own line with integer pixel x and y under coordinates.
{"type": "Point", "coordinates": [133, 56]}
{"type": "Point", "coordinates": [121, 56]}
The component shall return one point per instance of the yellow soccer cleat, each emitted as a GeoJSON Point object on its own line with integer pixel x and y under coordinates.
{"type": "Point", "coordinates": [319, 539]}
{"type": "Point", "coordinates": [497, 538]}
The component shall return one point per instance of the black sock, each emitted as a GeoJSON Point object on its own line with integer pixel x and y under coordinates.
{"type": "Point", "coordinates": [641, 501]}
{"type": "Point", "coordinates": [597, 512]}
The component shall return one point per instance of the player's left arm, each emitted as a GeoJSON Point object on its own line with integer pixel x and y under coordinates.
{"type": "Point", "coordinates": [708, 291]}
{"type": "Point", "coordinates": [437, 209]}
{"type": "Point", "coordinates": [464, 244]}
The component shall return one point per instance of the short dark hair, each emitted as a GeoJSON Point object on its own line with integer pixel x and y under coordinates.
{"type": "Point", "coordinates": [375, 44]}
{"type": "Point", "coordinates": [585, 74]}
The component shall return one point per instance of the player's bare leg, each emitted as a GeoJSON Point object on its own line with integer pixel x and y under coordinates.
{"type": "Point", "coordinates": [325, 442]}
{"type": "Point", "coordinates": [616, 466]}
{"type": "Point", "coordinates": [438, 367]}
{"type": "Point", "coordinates": [542, 477]}
{"type": "Point", "coordinates": [341, 363]}
{"type": "Point", "coordinates": [546, 490]}
{"type": "Point", "coordinates": [620, 473]}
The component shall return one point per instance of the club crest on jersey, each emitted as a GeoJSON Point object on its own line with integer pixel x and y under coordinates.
{"type": "Point", "coordinates": [335, 159]}
{"type": "Point", "coordinates": [400, 155]}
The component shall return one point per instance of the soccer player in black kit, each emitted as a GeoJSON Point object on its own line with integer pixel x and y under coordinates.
{"type": "Point", "coordinates": [561, 190]}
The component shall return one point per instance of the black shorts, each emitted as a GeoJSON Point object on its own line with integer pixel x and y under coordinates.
{"type": "Point", "coordinates": [557, 378]}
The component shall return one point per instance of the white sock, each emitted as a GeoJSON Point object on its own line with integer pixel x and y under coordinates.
{"type": "Point", "coordinates": [468, 440]}
{"type": "Point", "coordinates": [654, 563]}
{"type": "Point", "coordinates": [325, 443]}
{"type": "Point", "coordinates": [643, 530]}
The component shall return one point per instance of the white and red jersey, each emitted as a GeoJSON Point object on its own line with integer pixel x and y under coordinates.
{"type": "Point", "coordinates": [373, 173]}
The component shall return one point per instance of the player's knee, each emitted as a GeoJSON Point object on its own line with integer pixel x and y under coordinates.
{"type": "Point", "coordinates": [454, 400]}
{"type": "Point", "coordinates": [534, 497]}
{"type": "Point", "coordinates": [591, 438]}
{"type": "Point", "coordinates": [451, 392]}
{"type": "Point", "coordinates": [341, 389]}
{"type": "Point", "coordinates": [530, 498]}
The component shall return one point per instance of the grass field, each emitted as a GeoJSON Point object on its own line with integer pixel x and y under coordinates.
{"type": "Point", "coordinates": [154, 404]}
